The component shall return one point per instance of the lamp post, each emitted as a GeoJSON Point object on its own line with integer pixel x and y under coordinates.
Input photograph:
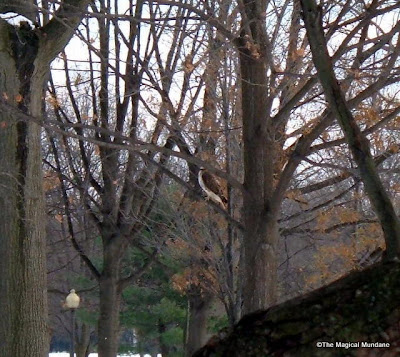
{"type": "Point", "coordinates": [72, 303]}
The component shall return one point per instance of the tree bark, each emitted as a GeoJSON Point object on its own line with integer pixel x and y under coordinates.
{"type": "Point", "coordinates": [108, 326]}
{"type": "Point", "coordinates": [198, 313]}
{"type": "Point", "coordinates": [110, 299]}
{"type": "Point", "coordinates": [260, 262]}
{"type": "Point", "coordinates": [363, 306]}
{"type": "Point", "coordinates": [25, 56]}
{"type": "Point", "coordinates": [260, 213]}
{"type": "Point", "coordinates": [22, 268]}
{"type": "Point", "coordinates": [82, 342]}
{"type": "Point", "coordinates": [8, 189]}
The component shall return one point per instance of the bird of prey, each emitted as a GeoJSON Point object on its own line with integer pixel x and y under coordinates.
{"type": "Point", "coordinates": [72, 300]}
{"type": "Point", "coordinates": [212, 187]}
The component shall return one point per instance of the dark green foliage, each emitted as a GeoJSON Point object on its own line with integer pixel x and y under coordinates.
{"type": "Point", "coordinates": [218, 323]}
{"type": "Point", "coordinates": [155, 311]}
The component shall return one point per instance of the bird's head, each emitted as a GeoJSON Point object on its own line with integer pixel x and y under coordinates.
{"type": "Point", "coordinates": [72, 291]}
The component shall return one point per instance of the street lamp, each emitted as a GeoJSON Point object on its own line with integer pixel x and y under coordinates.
{"type": "Point", "coordinates": [72, 303]}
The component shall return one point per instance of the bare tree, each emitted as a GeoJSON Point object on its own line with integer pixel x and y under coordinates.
{"type": "Point", "coordinates": [357, 141]}
{"type": "Point", "coordinates": [117, 187]}
{"type": "Point", "coordinates": [141, 123]}
{"type": "Point", "coordinates": [278, 88]}
{"type": "Point", "coordinates": [270, 97]}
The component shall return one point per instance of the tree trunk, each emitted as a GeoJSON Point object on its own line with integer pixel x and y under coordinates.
{"type": "Point", "coordinates": [198, 313]}
{"type": "Point", "coordinates": [8, 188]}
{"type": "Point", "coordinates": [110, 298]}
{"type": "Point", "coordinates": [363, 306]}
{"type": "Point", "coordinates": [82, 341]}
{"type": "Point", "coordinates": [23, 330]}
{"type": "Point", "coordinates": [260, 262]}
{"type": "Point", "coordinates": [260, 217]}
{"type": "Point", "coordinates": [108, 325]}
{"type": "Point", "coordinates": [25, 57]}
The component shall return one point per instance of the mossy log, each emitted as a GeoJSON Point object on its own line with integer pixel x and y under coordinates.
{"type": "Point", "coordinates": [362, 307]}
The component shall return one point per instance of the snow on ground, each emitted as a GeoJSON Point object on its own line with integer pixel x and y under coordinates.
{"type": "Point", "coordinates": [66, 354]}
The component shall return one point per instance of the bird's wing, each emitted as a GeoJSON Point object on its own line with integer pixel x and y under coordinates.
{"type": "Point", "coordinates": [214, 185]}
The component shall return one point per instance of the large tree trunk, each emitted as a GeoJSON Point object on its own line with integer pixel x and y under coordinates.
{"type": "Point", "coordinates": [260, 214]}
{"type": "Point", "coordinates": [363, 306]}
{"type": "Point", "coordinates": [25, 57]}
{"type": "Point", "coordinates": [23, 331]}
{"type": "Point", "coordinates": [8, 188]}
{"type": "Point", "coordinates": [260, 260]}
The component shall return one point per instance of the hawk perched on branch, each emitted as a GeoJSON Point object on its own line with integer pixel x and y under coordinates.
{"type": "Point", "coordinates": [211, 186]}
